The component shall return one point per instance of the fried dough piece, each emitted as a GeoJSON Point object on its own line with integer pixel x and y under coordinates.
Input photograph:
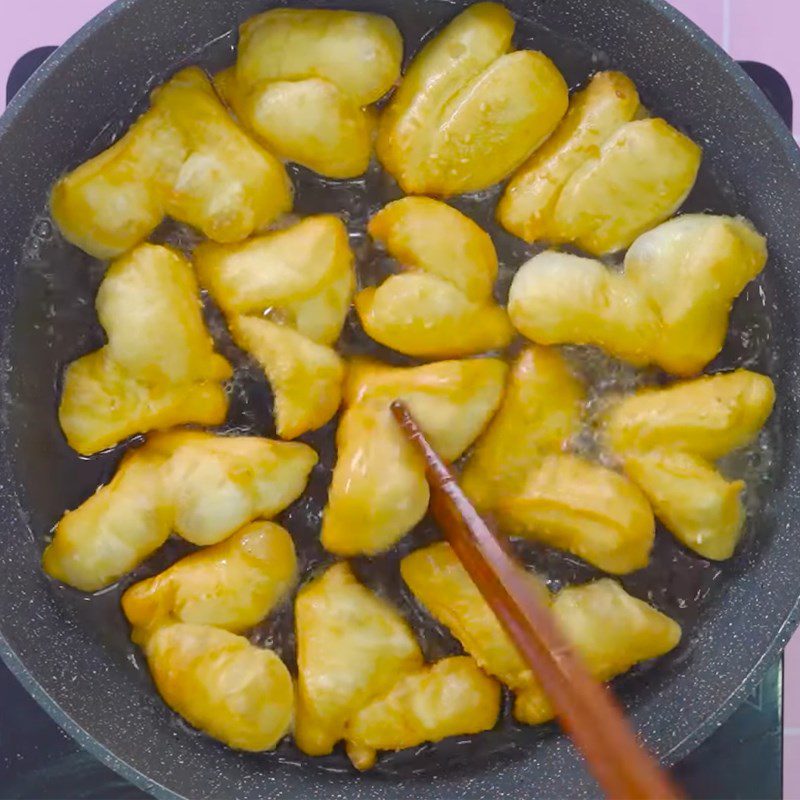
{"type": "Point", "coordinates": [218, 682]}
{"type": "Point", "coordinates": [669, 307]}
{"type": "Point", "coordinates": [379, 491]}
{"type": "Point", "coordinates": [302, 278]}
{"type": "Point", "coordinates": [352, 647]}
{"type": "Point", "coordinates": [468, 111]}
{"type": "Point", "coordinates": [691, 269]}
{"type": "Point", "coordinates": [610, 630]}
{"type": "Point", "coordinates": [102, 404]}
{"type": "Point", "coordinates": [113, 531]}
{"type": "Point", "coordinates": [541, 411]}
{"type": "Point", "coordinates": [667, 440]}
{"type": "Point", "coordinates": [185, 158]}
{"type": "Point", "coordinates": [526, 208]}
{"type": "Point", "coordinates": [159, 368]}
{"type": "Point", "coordinates": [232, 585]}
{"type": "Point", "coordinates": [452, 697]}
{"type": "Point", "coordinates": [201, 486]}
{"type": "Point", "coordinates": [605, 176]}
{"type": "Point", "coordinates": [304, 79]}
{"type": "Point", "coordinates": [442, 305]}
{"type": "Point", "coordinates": [575, 505]}
{"type": "Point", "coordinates": [306, 377]}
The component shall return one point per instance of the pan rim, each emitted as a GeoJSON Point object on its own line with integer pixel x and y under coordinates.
{"type": "Point", "coordinates": [783, 138]}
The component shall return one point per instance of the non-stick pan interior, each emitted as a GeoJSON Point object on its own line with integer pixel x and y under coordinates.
{"type": "Point", "coordinates": [77, 648]}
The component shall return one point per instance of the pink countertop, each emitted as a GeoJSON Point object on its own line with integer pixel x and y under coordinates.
{"type": "Point", "coordinates": [754, 30]}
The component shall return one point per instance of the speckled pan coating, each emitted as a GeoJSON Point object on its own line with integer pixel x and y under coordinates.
{"type": "Point", "coordinates": [683, 74]}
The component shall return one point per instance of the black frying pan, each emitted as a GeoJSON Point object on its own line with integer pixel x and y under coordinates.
{"type": "Point", "coordinates": [72, 653]}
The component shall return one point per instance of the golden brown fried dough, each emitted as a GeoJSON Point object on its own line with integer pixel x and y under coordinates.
{"type": "Point", "coordinates": [442, 307]}
{"type": "Point", "coordinates": [669, 307]}
{"type": "Point", "coordinates": [558, 298]}
{"type": "Point", "coordinates": [709, 416]}
{"type": "Point", "coordinates": [604, 176]}
{"type": "Point", "coordinates": [232, 585]}
{"type": "Point", "coordinates": [185, 158]}
{"type": "Point", "coordinates": [306, 377]}
{"type": "Point", "coordinates": [595, 113]}
{"type": "Point", "coordinates": [702, 509]}
{"type": "Point", "coordinates": [610, 630]}
{"type": "Point", "coordinates": [201, 486]}
{"type": "Point", "coordinates": [691, 269]}
{"type": "Point", "coordinates": [667, 440]}
{"type": "Point", "coordinates": [468, 112]}
{"type": "Point", "coordinates": [541, 411]}
{"type": "Point", "coordinates": [102, 404]}
{"type": "Point", "coordinates": [452, 697]}
{"type": "Point", "coordinates": [378, 491]}
{"type": "Point", "coordinates": [572, 504]}
{"type": "Point", "coordinates": [222, 684]}
{"type": "Point", "coordinates": [520, 472]}
{"type": "Point", "coordinates": [442, 585]}
{"type": "Point", "coordinates": [302, 278]}
{"type": "Point", "coordinates": [304, 78]}
{"type": "Point", "coordinates": [113, 531]}
{"type": "Point", "coordinates": [159, 368]}
{"type": "Point", "coordinates": [352, 647]}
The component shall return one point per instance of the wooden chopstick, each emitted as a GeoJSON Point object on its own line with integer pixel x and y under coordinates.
{"type": "Point", "coordinates": [586, 709]}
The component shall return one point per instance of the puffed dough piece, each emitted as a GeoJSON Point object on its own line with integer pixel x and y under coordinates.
{"type": "Point", "coordinates": [303, 279]}
{"type": "Point", "coordinates": [669, 307]}
{"type": "Point", "coordinates": [102, 404]}
{"type": "Point", "coordinates": [116, 529]}
{"type": "Point", "coordinates": [310, 122]}
{"type": "Point", "coordinates": [595, 113]}
{"type": "Point", "coordinates": [423, 316]}
{"type": "Point", "coordinates": [558, 298]}
{"type": "Point", "coordinates": [201, 486]}
{"type": "Point", "coordinates": [219, 483]}
{"type": "Point", "coordinates": [709, 416]}
{"type": "Point", "coordinates": [575, 505]}
{"type": "Point", "coordinates": [541, 411]}
{"type": "Point", "coordinates": [642, 175]}
{"type": "Point", "coordinates": [159, 367]}
{"type": "Point", "coordinates": [352, 647]}
{"type": "Point", "coordinates": [610, 630]}
{"type": "Point", "coordinates": [358, 52]}
{"type": "Point", "coordinates": [605, 176]}
{"type": "Point", "coordinates": [378, 491]}
{"type": "Point", "coordinates": [702, 509]}
{"type": "Point", "coordinates": [442, 307]}
{"type": "Point", "coordinates": [303, 78]}
{"type": "Point", "coordinates": [232, 585]}
{"type": "Point", "coordinates": [149, 306]}
{"type": "Point", "coordinates": [218, 682]}
{"type": "Point", "coordinates": [468, 111]}
{"type": "Point", "coordinates": [302, 275]}
{"type": "Point", "coordinates": [452, 697]}
{"type": "Point", "coordinates": [430, 236]}
{"type": "Point", "coordinates": [691, 269]}
{"type": "Point", "coordinates": [185, 158]}
{"type": "Point", "coordinates": [667, 440]}
{"type": "Point", "coordinates": [440, 583]}
{"type": "Point", "coordinates": [306, 377]}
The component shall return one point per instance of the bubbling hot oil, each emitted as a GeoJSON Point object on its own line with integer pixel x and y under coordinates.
{"type": "Point", "coordinates": [59, 282]}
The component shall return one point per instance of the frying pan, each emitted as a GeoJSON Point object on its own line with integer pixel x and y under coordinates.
{"type": "Point", "coordinates": [81, 669]}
